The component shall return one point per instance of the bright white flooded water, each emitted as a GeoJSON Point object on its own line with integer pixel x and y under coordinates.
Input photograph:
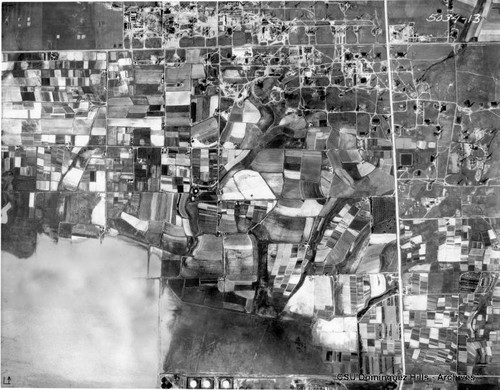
{"type": "Point", "coordinates": [80, 315]}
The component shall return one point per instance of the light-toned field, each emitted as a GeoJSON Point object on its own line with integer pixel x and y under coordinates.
{"type": "Point", "coordinates": [77, 315]}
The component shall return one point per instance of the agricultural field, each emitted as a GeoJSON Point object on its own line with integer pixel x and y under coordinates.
{"type": "Point", "coordinates": [314, 185]}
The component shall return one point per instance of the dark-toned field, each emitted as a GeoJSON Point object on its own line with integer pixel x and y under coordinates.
{"type": "Point", "coordinates": [238, 343]}
{"type": "Point", "coordinates": [418, 11]}
{"type": "Point", "coordinates": [16, 33]}
{"type": "Point", "coordinates": [61, 26]}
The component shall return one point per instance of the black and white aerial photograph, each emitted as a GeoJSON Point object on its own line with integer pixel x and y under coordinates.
{"type": "Point", "coordinates": [251, 194]}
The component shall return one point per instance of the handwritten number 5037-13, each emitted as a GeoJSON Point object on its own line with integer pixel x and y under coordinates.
{"type": "Point", "coordinates": [476, 18]}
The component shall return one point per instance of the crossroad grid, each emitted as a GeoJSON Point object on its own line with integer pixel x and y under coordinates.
{"type": "Point", "coordinates": [395, 168]}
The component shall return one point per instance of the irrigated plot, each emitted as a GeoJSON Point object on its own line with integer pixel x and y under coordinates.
{"type": "Point", "coordinates": [478, 333]}
{"type": "Point", "coordinates": [345, 242]}
{"type": "Point", "coordinates": [436, 253]}
{"type": "Point", "coordinates": [120, 169]}
{"type": "Point", "coordinates": [192, 99]}
{"type": "Point", "coordinates": [248, 146]}
{"type": "Point", "coordinates": [274, 173]}
{"type": "Point", "coordinates": [136, 102]}
{"type": "Point", "coordinates": [430, 333]}
{"type": "Point", "coordinates": [474, 21]}
{"type": "Point", "coordinates": [54, 98]}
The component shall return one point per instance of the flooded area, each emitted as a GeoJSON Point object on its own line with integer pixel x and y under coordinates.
{"type": "Point", "coordinates": [80, 315]}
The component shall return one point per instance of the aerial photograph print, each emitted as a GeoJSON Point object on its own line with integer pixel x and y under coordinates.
{"type": "Point", "coordinates": [251, 194]}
